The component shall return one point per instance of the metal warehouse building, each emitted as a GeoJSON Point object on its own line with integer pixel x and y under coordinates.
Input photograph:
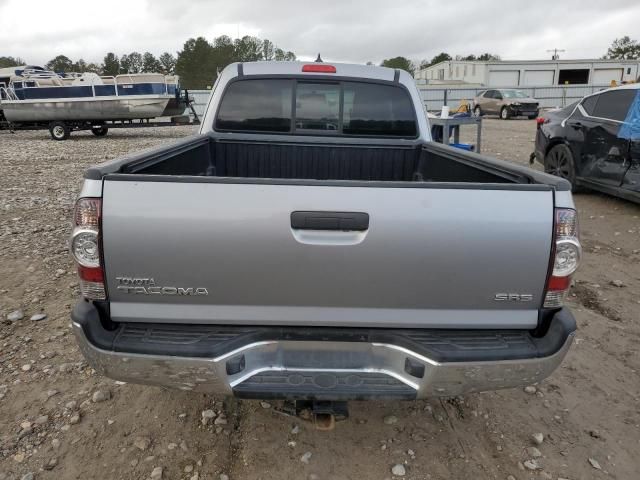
{"type": "Point", "coordinates": [523, 73]}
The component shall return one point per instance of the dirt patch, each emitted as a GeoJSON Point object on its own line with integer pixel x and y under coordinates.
{"type": "Point", "coordinates": [588, 295]}
{"type": "Point", "coordinates": [51, 426]}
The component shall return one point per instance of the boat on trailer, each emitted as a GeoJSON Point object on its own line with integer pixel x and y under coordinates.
{"type": "Point", "coordinates": [38, 96]}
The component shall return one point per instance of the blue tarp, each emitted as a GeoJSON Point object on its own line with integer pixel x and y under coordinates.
{"type": "Point", "coordinates": [630, 129]}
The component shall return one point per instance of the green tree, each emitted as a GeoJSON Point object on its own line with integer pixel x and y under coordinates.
{"type": "Point", "coordinates": [281, 56]}
{"type": "Point", "coordinates": [268, 50]}
{"type": "Point", "coordinates": [131, 63]}
{"type": "Point", "coordinates": [80, 66]}
{"type": "Point", "coordinates": [150, 63]}
{"type": "Point", "coordinates": [93, 68]}
{"type": "Point", "coordinates": [248, 49]}
{"type": "Point", "coordinates": [441, 57]}
{"type": "Point", "coordinates": [199, 62]}
{"type": "Point", "coordinates": [125, 64]}
{"type": "Point", "coordinates": [195, 64]}
{"type": "Point", "coordinates": [486, 57]}
{"type": "Point", "coordinates": [399, 62]}
{"type": "Point", "coordinates": [135, 62]}
{"type": "Point", "coordinates": [167, 63]}
{"type": "Point", "coordinates": [224, 52]}
{"type": "Point", "coordinates": [6, 62]}
{"type": "Point", "coordinates": [111, 65]}
{"type": "Point", "coordinates": [61, 63]}
{"type": "Point", "coordinates": [624, 49]}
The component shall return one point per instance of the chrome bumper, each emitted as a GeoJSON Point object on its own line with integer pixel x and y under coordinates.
{"type": "Point", "coordinates": [324, 364]}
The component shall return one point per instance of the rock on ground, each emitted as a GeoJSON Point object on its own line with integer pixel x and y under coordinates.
{"type": "Point", "coordinates": [15, 316]}
{"type": "Point", "coordinates": [156, 474]}
{"type": "Point", "coordinates": [142, 443]}
{"type": "Point", "coordinates": [537, 438]}
{"type": "Point", "coordinates": [399, 470]}
{"type": "Point", "coordinates": [534, 452]}
{"type": "Point", "coordinates": [595, 464]}
{"type": "Point", "coordinates": [101, 396]}
{"type": "Point", "coordinates": [390, 419]}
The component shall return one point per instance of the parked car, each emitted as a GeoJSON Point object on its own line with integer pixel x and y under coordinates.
{"type": "Point", "coordinates": [506, 103]}
{"type": "Point", "coordinates": [312, 242]}
{"type": "Point", "coordinates": [595, 143]}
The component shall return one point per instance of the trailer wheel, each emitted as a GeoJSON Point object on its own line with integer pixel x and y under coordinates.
{"type": "Point", "coordinates": [59, 130]}
{"type": "Point", "coordinates": [99, 131]}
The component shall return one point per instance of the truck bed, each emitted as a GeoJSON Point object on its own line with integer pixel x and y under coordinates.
{"type": "Point", "coordinates": [207, 156]}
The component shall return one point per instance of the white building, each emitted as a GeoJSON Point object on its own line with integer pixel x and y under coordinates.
{"type": "Point", "coordinates": [514, 73]}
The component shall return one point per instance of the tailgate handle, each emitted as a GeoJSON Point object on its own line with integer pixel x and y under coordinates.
{"type": "Point", "coordinates": [344, 221]}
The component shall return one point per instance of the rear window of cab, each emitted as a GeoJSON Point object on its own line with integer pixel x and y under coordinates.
{"type": "Point", "coordinates": [316, 107]}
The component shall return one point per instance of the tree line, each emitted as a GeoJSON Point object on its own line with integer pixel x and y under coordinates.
{"type": "Point", "coordinates": [200, 61]}
{"type": "Point", "coordinates": [404, 63]}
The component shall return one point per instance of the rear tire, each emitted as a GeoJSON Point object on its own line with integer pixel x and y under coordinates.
{"type": "Point", "coordinates": [559, 162]}
{"type": "Point", "coordinates": [505, 114]}
{"type": "Point", "coordinates": [59, 130]}
{"type": "Point", "coordinates": [477, 111]}
{"type": "Point", "coordinates": [100, 131]}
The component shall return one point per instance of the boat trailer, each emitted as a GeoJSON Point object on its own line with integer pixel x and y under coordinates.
{"type": "Point", "coordinates": [61, 129]}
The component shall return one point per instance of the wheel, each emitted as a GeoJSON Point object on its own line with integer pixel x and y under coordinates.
{"type": "Point", "coordinates": [559, 162]}
{"type": "Point", "coordinates": [59, 130]}
{"type": "Point", "coordinates": [477, 112]}
{"type": "Point", "coordinates": [99, 131]}
{"type": "Point", "coordinates": [504, 113]}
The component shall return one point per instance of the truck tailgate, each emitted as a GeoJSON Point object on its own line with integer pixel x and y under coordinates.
{"type": "Point", "coordinates": [232, 253]}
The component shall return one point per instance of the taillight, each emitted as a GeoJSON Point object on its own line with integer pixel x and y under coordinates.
{"type": "Point", "coordinates": [85, 247]}
{"type": "Point", "coordinates": [319, 68]}
{"type": "Point", "coordinates": [541, 121]}
{"type": "Point", "coordinates": [567, 252]}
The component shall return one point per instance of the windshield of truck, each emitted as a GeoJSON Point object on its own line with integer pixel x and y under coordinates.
{"type": "Point", "coordinates": [514, 94]}
{"type": "Point", "coordinates": [320, 108]}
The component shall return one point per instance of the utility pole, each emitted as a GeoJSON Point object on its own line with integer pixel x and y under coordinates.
{"type": "Point", "coordinates": [555, 53]}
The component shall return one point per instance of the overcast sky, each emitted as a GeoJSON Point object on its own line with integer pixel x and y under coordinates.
{"type": "Point", "coordinates": [356, 31]}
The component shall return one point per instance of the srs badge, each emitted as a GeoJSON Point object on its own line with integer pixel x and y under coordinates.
{"type": "Point", "coordinates": [513, 297]}
{"type": "Point", "coordinates": [147, 286]}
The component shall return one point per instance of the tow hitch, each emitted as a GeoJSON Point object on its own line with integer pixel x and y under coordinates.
{"type": "Point", "coordinates": [323, 414]}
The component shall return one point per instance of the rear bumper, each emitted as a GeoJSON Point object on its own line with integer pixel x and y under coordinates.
{"type": "Point", "coordinates": [320, 363]}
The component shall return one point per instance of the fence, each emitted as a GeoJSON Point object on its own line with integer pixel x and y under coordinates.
{"type": "Point", "coordinates": [434, 98]}
{"type": "Point", "coordinates": [548, 96]}
{"type": "Point", "coordinates": [200, 99]}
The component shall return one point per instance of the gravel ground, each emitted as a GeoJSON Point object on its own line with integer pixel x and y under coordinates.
{"type": "Point", "coordinates": [58, 420]}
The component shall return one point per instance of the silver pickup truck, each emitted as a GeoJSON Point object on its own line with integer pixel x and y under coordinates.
{"type": "Point", "coordinates": [313, 243]}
